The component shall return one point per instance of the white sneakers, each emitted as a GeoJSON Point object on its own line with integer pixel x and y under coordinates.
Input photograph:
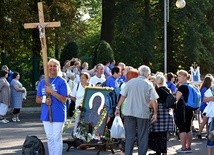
{"type": "Point", "coordinates": [15, 119]}
{"type": "Point", "coordinates": [4, 121]}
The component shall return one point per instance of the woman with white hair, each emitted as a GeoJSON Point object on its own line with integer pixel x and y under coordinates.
{"type": "Point", "coordinates": [164, 123]}
{"type": "Point", "coordinates": [59, 91]}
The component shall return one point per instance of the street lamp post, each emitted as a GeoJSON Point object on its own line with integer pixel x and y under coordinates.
{"type": "Point", "coordinates": [179, 4]}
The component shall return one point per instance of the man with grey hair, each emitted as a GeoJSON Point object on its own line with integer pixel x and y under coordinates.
{"type": "Point", "coordinates": [144, 71]}
{"type": "Point", "coordinates": [140, 96]}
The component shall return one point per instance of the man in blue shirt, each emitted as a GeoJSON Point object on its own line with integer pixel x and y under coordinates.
{"type": "Point", "coordinates": [112, 64]}
{"type": "Point", "coordinates": [112, 80]}
{"type": "Point", "coordinates": [170, 82]}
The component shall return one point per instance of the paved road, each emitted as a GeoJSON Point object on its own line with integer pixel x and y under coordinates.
{"type": "Point", "coordinates": [12, 136]}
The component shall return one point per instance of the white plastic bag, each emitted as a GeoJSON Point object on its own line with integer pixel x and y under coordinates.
{"type": "Point", "coordinates": [117, 128]}
{"type": "Point", "coordinates": [3, 109]}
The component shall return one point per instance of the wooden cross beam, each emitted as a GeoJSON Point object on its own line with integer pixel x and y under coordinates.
{"type": "Point", "coordinates": [41, 27]}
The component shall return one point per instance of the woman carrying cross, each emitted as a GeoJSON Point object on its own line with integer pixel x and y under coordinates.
{"type": "Point", "coordinates": [53, 95]}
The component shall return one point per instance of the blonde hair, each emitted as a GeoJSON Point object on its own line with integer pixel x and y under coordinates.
{"type": "Point", "coordinates": [59, 72]}
{"type": "Point", "coordinates": [183, 73]}
{"type": "Point", "coordinates": [84, 65]}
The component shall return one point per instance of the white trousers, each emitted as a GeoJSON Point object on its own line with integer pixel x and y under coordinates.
{"type": "Point", "coordinates": [54, 135]}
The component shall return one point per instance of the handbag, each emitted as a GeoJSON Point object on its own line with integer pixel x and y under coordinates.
{"type": "Point", "coordinates": [170, 100]}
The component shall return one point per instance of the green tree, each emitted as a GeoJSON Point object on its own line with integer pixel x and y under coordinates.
{"type": "Point", "coordinates": [135, 34]}
{"type": "Point", "coordinates": [107, 25]}
{"type": "Point", "coordinates": [104, 52]}
{"type": "Point", "coordinates": [89, 40]}
{"type": "Point", "coordinates": [70, 51]}
{"type": "Point", "coordinates": [134, 30]}
{"type": "Point", "coordinates": [192, 35]}
{"type": "Point", "coordinates": [23, 46]}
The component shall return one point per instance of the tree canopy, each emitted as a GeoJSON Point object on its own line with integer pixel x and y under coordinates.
{"type": "Point", "coordinates": [133, 29]}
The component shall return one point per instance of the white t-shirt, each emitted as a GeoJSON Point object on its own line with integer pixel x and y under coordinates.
{"type": "Point", "coordinates": [209, 110]}
{"type": "Point", "coordinates": [94, 80]}
{"type": "Point", "coordinates": [78, 93]}
{"type": "Point", "coordinates": [71, 84]}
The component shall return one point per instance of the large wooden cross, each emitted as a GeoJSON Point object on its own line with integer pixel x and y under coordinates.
{"type": "Point", "coordinates": [41, 27]}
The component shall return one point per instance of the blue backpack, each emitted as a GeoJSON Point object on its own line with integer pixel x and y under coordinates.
{"type": "Point", "coordinates": [112, 99]}
{"type": "Point", "coordinates": [194, 98]}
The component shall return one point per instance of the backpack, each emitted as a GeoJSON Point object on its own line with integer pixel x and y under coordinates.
{"type": "Point", "coordinates": [194, 98]}
{"type": "Point", "coordinates": [111, 102]}
{"type": "Point", "coordinates": [33, 146]}
{"type": "Point", "coordinates": [170, 101]}
{"type": "Point", "coordinates": [112, 98]}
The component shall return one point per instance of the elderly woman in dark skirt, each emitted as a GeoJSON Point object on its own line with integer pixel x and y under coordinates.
{"type": "Point", "coordinates": [164, 123]}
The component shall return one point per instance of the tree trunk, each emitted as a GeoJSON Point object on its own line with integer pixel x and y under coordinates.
{"type": "Point", "coordinates": [170, 41]}
{"type": "Point", "coordinates": [147, 12]}
{"type": "Point", "coordinates": [57, 43]}
{"type": "Point", "coordinates": [36, 49]}
{"type": "Point", "coordinates": [108, 15]}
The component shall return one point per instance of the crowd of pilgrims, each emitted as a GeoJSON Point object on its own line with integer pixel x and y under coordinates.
{"type": "Point", "coordinates": [168, 120]}
{"type": "Point", "coordinates": [160, 121]}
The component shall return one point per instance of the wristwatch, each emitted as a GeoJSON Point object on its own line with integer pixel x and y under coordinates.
{"type": "Point", "coordinates": [117, 108]}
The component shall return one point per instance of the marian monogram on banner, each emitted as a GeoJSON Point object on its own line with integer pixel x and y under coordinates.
{"type": "Point", "coordinates": [195, 73]}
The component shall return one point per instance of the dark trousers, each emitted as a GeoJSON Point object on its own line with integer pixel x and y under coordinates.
{"type": "Point", "coordinates": [16, 111]}
{"type": "Point", "coordinates": [136, 126]}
